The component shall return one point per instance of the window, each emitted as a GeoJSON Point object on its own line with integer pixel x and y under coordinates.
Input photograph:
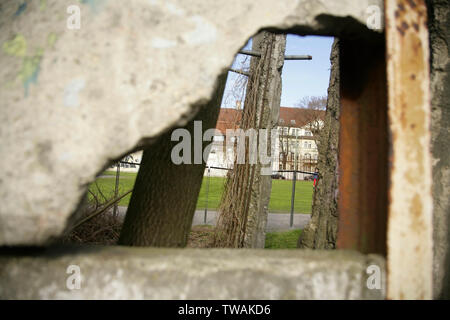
{"type": "Point", "coordinates": [292, 121]}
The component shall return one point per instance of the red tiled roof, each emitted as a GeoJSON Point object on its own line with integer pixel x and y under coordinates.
{"type": "Point", "coordinates": [300, 116]}
{"type": "Point", "coordinates": [229, 118]}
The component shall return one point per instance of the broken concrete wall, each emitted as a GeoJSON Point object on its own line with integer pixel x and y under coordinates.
{"type": "Point", "coordinates": [150, 273]}
{"type": "Point", "coordinates": [75, 99]}
{"type": "Point", "coordinates": [439, 28]}
{"type": "Point", "coordinates": [321, 231]}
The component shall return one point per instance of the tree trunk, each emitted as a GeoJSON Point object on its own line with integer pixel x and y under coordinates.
{"type": "Point", "coordinates": [439, 28]}
{"type": "Point", "coordinates": [321, 231]}
{"type": "Point", "coordinates": [165, 195]}
{"type": "Point", "coordinates": [244, 207]}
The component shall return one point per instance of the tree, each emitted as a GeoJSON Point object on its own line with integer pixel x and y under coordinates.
{"type": "Point", "coordinates": [244, 206]}
{"type": "Point", "coordinates": [314, 107]}
{"type": "Point", "coordinates": [321, 231]}
{"type": "Point", "coordinates": [165, 194]}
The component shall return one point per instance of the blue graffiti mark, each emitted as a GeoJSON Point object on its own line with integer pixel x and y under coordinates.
{"type": "Point", "coordinates": [95, 5]}
{"type": "Point", "coordinates": [22, 7]}
{"type": "Point", "coordinates": [31, 79]}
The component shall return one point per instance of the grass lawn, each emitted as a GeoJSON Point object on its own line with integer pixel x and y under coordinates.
{"type": "Point", "coordinates": [280, 199]}
{"type": "Point", "coordinates": [282, 240]}
{"type": "Point", "coordinates": [123, 174]}
{"type": "Point", "coordinates": [202, 237]}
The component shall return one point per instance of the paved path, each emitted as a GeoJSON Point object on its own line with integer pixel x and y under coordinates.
{"type": "Point", "coordinates": [275, 221]}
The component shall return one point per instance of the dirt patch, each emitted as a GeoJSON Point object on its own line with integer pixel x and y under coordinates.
{"type": "Point", "coordinates": [105, 230]}
{"type": "Point", "coordinates": [201, 237]}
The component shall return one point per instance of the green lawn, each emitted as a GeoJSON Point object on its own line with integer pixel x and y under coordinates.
{"type": "Point", "coordinates": [122, 174]}
{"type": "Point", "coordinates": [280, 199]}
{"type": "Point", "coordinates": [282, 240]}
{"type": "Point", "coordinates": [201, 236]}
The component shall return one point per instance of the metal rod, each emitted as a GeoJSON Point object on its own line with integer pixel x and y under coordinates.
{"type": "Point", "coordinates": [293, 199]}
{"type": "Point", "coordinates": [298, 171]}
{"type": "Point", "coordinates": [245, 73]}
{"type": "Point", "coordinates": [207, 192]}
{"type": "Point", "coordinates": [212, 167]}
{"type": "Point", "coordinates": [126, 162]}
{"type": "Point", "coordinates": [116, 190]}
{"type": "Point", "coordinates": [298, 57]}
{"type": "Point", "coordinates": [220, 168]}
{"type": "Point", "coordinates": [289, 57]}
{"type": "Point", "coordinates": [250, 53]}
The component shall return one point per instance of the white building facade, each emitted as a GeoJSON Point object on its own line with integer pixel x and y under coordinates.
{"type": "Point", "coordinates": [294, 149]}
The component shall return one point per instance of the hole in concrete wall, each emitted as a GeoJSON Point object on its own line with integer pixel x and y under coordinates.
{"type": "Point", "coordinates": [303, 99]}
{"type": "Point", "coordinates": [355, 91]}
{"type": "Point", "coordinates": [305, 160]}
{"type": "Point", "coordinates": [305, 83]}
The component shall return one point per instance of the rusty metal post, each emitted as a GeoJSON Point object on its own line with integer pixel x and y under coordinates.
{"type": "Point", "coordinates": [410, 247]}
{"type": "Point", "coordinates": [363, 146]}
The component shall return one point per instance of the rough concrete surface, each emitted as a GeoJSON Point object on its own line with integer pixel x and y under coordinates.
{"type": "Point", "coordinates": [150, 273]}
{"type": "Point", "coordinates": [409, 234]}
{"type": "Point", "coordinates": [73, 100]}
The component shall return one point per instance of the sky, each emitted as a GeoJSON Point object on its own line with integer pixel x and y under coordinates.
{"type": "Point", "coordinates": [300, 78]}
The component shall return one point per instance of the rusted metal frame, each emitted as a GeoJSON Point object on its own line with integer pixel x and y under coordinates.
{"type": "Point", "coordinates": [363, 147]}
{"type": "Point", "coordinates": [410, 247]}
